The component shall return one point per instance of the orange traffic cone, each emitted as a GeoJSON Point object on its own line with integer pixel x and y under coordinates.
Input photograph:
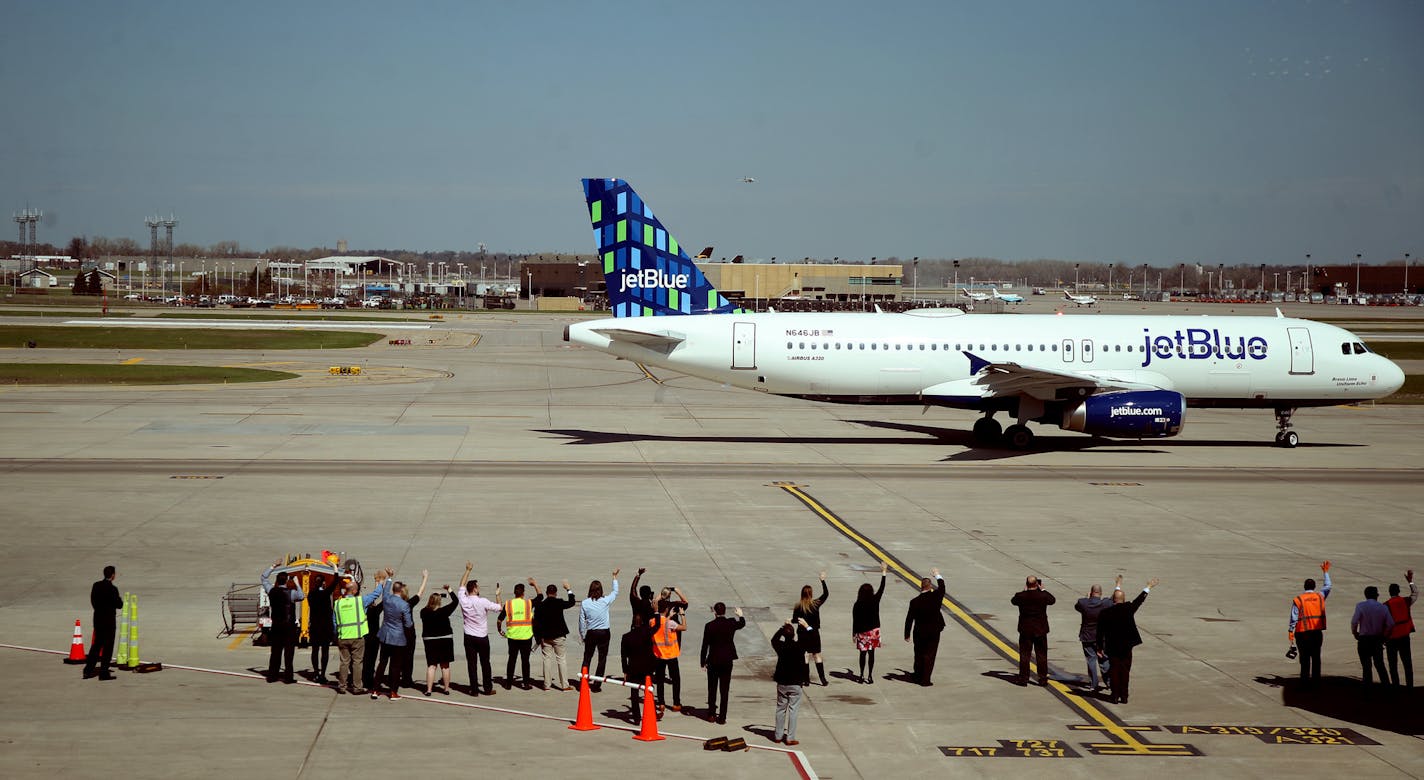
{"type": "Point", "coordinates": [584, 719]}
{"type": "Point", "coordinates": [649, 733]}
{"type": "Point", "coordinates": [76, 646]}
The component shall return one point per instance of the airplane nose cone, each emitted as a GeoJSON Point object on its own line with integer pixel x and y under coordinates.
{"type": "Point", "coordinates": [1390, 377]}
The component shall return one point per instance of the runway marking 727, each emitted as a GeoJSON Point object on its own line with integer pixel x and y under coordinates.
{"type": "Point", "coordinates": [1125, 740]}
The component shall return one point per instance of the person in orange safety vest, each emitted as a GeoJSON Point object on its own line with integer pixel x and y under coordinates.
{"type": "Point", "coordinates": [667, 647]}
{"type": "Point", "coordinates": [1307, 627]}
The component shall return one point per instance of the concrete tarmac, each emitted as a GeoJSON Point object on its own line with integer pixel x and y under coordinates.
{"type": "Point", "coordinates": [539, 460]}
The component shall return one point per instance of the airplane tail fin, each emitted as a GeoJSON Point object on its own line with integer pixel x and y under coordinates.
{"type": "Point", "coordinates": [647, 271]}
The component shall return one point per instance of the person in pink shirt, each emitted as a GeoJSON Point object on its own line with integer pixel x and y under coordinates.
{"type": "Point", "coordinates": [475, 610]}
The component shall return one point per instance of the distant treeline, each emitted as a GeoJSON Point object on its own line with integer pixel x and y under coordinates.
{"type": "Point", "coordinates": [918, 272]}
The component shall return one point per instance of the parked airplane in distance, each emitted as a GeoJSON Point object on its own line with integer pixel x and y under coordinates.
{"type": "Point", "coordinates": [1124, 376]}
{"type": "Point", "coordinates": [1081, 300]}
{"type": "Point", "coordinates": [973, 296]}
{"type": "Point", "coordinates": [1006, 297]}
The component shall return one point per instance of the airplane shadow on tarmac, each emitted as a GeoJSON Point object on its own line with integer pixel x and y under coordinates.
{"type": "Point", "coordinates": [1383, 707]}
{"type": "Point", "coordinates": [926, 435]}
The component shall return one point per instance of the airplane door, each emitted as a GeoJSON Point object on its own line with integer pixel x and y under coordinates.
{"type": "Point", "coordinates": [1302, 356]}
{"type": "Point", "coordinates": [743, 345]}
{"type": "Point", "coordinates": [1067, 350]}
{"type": "Point", "coordinates": [1087, 351]}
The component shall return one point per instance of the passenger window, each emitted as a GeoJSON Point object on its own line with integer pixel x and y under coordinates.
{"type": "Point", "coordinates": [813, 346]}
{"type": "Point", "coordinates": [802, 345]}
{"type": "Point", "coordinates": [826, 345]}
{"type": "Point", "coordinates": [993, 347]}
{"type": "Point", "coordinates": [1117, 348]}
{"type": "Point", "coordinates": [1030, 348]}
{"type": "Point", "coordinates": [934, 347]}
{"type": "Point", "coordinates": [789, 345]}
{"type": "Point", "coordinates": [922, 347]}
{"type": "Point", "coordinates": [1054, 347]}
{"type": "Point", "coordinates": [872, 347]}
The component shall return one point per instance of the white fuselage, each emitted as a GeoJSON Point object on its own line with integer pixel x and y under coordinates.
{"type": "Point", "coordinates": [1213, 361]}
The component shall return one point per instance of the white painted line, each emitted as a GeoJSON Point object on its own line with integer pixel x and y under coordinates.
{"type": "Point", "coordinates": [803, 765]}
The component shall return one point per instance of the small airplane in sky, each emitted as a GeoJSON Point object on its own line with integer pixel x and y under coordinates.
{"type": "Point", "coordinates": [1081, 300]}
{"type": "Point", "coordinates": [748, 180]}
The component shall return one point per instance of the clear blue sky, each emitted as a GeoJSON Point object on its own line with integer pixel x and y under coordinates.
{"type": "Point", "coordinates": [1098, 131]}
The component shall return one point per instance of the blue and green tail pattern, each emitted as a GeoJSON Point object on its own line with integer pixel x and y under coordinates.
{"type": "Point", "coordinates": [647, 272]}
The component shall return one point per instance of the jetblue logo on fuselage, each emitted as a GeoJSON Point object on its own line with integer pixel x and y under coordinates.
{"type": "Point", "coordinates": [1200, 344]}
{"type": "Point", "coordinates": [651, 277]}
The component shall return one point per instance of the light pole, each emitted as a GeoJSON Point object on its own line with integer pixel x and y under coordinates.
{"type": "Point", "coordinates": [915, 278]}
{"type": "Point", "coordinates": [956, 283]}
{"type": "Point", "coordinates": [1357, 273]}
{"type": "Point", "coordinates": [1276, 281]}
{"type": "Point", "coordinates": [1406, 274]}
{"type": "Point", "coordinates": [1144, 282]}
{"type": "Point", "coordinates": [1182, 278]}
{"type": "Point", "coordinates": [1221, 278]}
{"type": "Point", "coordinates": [1110, 270]}
{"type": "Point", "coordinates": [1262, 288]}
{"type": "Point", "coordinates": [1307, 281]}
{"type": "Point", "coordinates": [1075, 278]}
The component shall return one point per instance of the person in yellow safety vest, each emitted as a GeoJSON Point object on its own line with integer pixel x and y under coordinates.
{"type": "Point", "coordinates": [666, 648]}
{"type": "Point", "coordinates": [1307, 627]}
{"type": "Point", "coordinates": [348, 618]}
{"type": "Point", "coordinates": [516, 624]}
{"type": "Point", "coordinates": [1397, 643]}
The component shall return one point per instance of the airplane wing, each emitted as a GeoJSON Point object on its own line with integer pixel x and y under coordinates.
{"type": "Point", "coordinates": [994, 380]}
{"type": "Point", "coordinates": [660, 340]}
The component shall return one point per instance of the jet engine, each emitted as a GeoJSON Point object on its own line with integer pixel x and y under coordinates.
{"type": "Point", "coordinates": [1129, 414]}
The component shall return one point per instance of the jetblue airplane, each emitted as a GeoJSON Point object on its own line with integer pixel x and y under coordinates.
{"type": "Point", "coordinates": [1117, 377]}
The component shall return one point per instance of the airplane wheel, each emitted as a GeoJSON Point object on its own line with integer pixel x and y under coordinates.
{"type": "Point", "coordinates": [1289, 439]}
{"type": "Point", "coordinates": [987, 430]}
{"type": "Point", "coordinates": [1019, 437]}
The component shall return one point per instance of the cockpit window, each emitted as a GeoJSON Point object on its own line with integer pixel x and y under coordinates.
{"type": "Point", "coordinates": [1360, 348]}
{"type": "Point", "coordinates": [1345, 348]}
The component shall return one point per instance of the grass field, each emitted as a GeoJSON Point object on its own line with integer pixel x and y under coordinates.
{"type": "Point", "coordinates": [1399, 350]}
{"type": "Point", "coordinates": [58, 313]}
{"type": "Point", "coordinates": [281, 314]}
{"type": "Point", "coordinates": [1411, 393]}
{"type": "Point", "coordinates": [105, 374]}
{"type": "Point", "coordinates": [60, 337]}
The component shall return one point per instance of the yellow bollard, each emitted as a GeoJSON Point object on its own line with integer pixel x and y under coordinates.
{"type": "Point", "coordinates": [121, 658]}
{"type": "Point", "coordinates": [133, 633]}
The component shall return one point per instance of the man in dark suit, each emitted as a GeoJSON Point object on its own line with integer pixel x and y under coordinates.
{"type": "Point", "coordinates": [639, 662]}
{"type": "Point", "coordinates": [105, 599]}
{"type": "Point", "coordinates": [1033, 603]}
{"type": "Point", "coordinates": [719, 650]}
{"type": "Point", "coordinates": [1117, 635]}
{"type": "Point", "coordinates": [282, 599]}
{"type": "Point", "coordinates": [923, 622]}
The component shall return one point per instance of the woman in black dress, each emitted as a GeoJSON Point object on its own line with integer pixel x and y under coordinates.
{"type": "Point", "coordinates": [865, 624]}
{"type": "Point", "coordinates": [439, 639]}
{"type": "Point", "coordinates": [809, 610]}
{"type": "Point", "coordinates": [319, 626]}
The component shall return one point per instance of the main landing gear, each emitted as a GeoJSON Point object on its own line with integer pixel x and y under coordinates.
{"type": "Point", "coordinates": [1285, 437]}
{"type": "Point", "coordinates": [988, 432]}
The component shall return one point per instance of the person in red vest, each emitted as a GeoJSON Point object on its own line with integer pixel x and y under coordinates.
{"type": "Point", "coordinates": [1307, 627]}
{"type": "Point", "coordinates": [1396, 644]}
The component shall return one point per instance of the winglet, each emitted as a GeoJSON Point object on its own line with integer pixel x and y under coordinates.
{"type": "Point", "coordinates": [976, 363]}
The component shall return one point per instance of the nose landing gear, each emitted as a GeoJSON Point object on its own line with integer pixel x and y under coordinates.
{"type": "Point", "coordinates": [1285, 437]}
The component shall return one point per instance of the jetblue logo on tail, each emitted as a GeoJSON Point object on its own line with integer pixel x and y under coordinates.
{"type": "Point", "coordinates": [651, 277]}
{"type": "Point", "coordinates": [644, 267]}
